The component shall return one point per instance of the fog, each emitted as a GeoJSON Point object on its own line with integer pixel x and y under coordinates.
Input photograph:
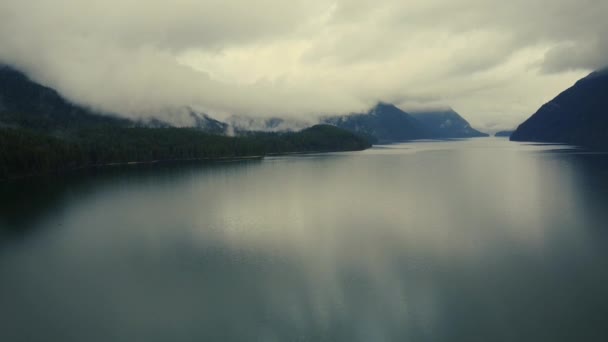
{"type": "Point", "coordinates": [494, 62]}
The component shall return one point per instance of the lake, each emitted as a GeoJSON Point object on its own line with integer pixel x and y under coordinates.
{"type": "Point", "coordinates": [472, 240]}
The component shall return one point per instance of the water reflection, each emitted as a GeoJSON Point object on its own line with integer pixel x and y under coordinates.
{"type": "Point", "coordinates": [461, 241]}
{"type": "Point", "coordinates": [25, 202]}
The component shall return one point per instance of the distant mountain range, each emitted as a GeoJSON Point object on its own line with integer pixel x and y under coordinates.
{"type": "Point", "coordinates": [387, 123]}
{"type": "Point", "coordinates": [382, 123]}
{"type": "Point", "coordinates": [24, 103]}
{"type": "Point", "coordinates": [578, 116]}
{"type": "Point", "coordinates": [27, 104]}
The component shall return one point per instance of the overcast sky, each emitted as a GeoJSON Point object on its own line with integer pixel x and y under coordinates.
{"type": "Point", "coordinates": [495, 62]}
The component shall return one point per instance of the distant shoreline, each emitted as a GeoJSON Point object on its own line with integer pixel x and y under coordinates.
{"type": "Point", "coordinates": [168, 162]}
{"type": "Point", "coordinates": [26, 153]}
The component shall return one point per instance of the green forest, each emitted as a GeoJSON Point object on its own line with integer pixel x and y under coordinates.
{"type": "Point", "coordinates": [28, 152]}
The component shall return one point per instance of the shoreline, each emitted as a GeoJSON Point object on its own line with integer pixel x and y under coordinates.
{"type": "Point", "coordinates": [168, 162]}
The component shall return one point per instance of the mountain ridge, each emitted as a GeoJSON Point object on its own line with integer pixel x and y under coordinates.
{"type": "Point", "coordinates": [385, 122]}
{"type": "Point", "coordinates": [41, 132]}
{"type": "Point", "coordinates": [447, 124]}
{"type": "Point", "coordinates": [577, 116]}
{"type": "Point", "coordinates": [388, 123]}
{"type": "Point", "coordinates": [25, 103]}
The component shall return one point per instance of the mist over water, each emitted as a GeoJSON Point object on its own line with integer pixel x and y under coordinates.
{"type": "Point", "coordinates": [474, 240]}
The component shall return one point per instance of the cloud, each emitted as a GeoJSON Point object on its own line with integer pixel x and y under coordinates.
{"type": "Point", "coordinates": [590, 54]}
{"type": "Point", "coordinates": [494, 61]}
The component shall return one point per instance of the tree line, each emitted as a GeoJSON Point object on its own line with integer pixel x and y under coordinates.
{"type": "Point", "coordinates": [26, 152]}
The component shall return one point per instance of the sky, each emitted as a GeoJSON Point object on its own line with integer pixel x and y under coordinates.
{"type": "Point", "coordinates": [495, 62]}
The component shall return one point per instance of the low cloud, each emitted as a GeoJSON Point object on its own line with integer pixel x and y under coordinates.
{"type": "Point", "coordinates": [493, 61]}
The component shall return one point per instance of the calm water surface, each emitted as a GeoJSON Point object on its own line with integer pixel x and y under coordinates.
{"type": "Point", "coordinates": [475, 240]}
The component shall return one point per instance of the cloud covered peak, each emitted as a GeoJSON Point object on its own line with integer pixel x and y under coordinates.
{"type": "Point", "coordinates": [496, 60]}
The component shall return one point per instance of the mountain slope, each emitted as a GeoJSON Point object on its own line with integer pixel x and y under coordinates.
{"type": "Point", "coordinates": [26, 104]}
{"type": "Point", "coordinates": [25, 153]}
{"type": "Point", "coordinates": [384, 122]}
{"type": "Point", "coordinates": [447, 124]}
{"type": "Point", "coordinates": [208, 124]}
{"type": "Point", "coordinates": [42, 132]}
{"type": "Point", "coordinates": [578, 116]}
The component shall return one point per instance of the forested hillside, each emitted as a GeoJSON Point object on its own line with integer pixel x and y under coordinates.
{"type": "Point", "coordinates": [24, 152]}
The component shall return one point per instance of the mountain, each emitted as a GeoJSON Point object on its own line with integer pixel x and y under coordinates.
{"type": "Point", "coordinates": [208, 124]}
{"type": "Point", "coordinates": [26, 104]}
{"type": "Point", "coordinates": [387, 123]}
{"type": "Point", "coordinates": [384, 122]}
{"type": "Point", "coordinates": [42, 132]}
{"type": "Point", "coordinates": [504, 134]}
{"type": "Point", "coordinates": [577, 116]}
{"type": "Point", "coordinates": [447, 124]}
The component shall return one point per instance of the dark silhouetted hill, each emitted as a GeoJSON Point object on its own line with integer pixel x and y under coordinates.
{"type": "Point", "coordinates": [578, 116]}
{"type": "Point", "coordinates": [27, 104]}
